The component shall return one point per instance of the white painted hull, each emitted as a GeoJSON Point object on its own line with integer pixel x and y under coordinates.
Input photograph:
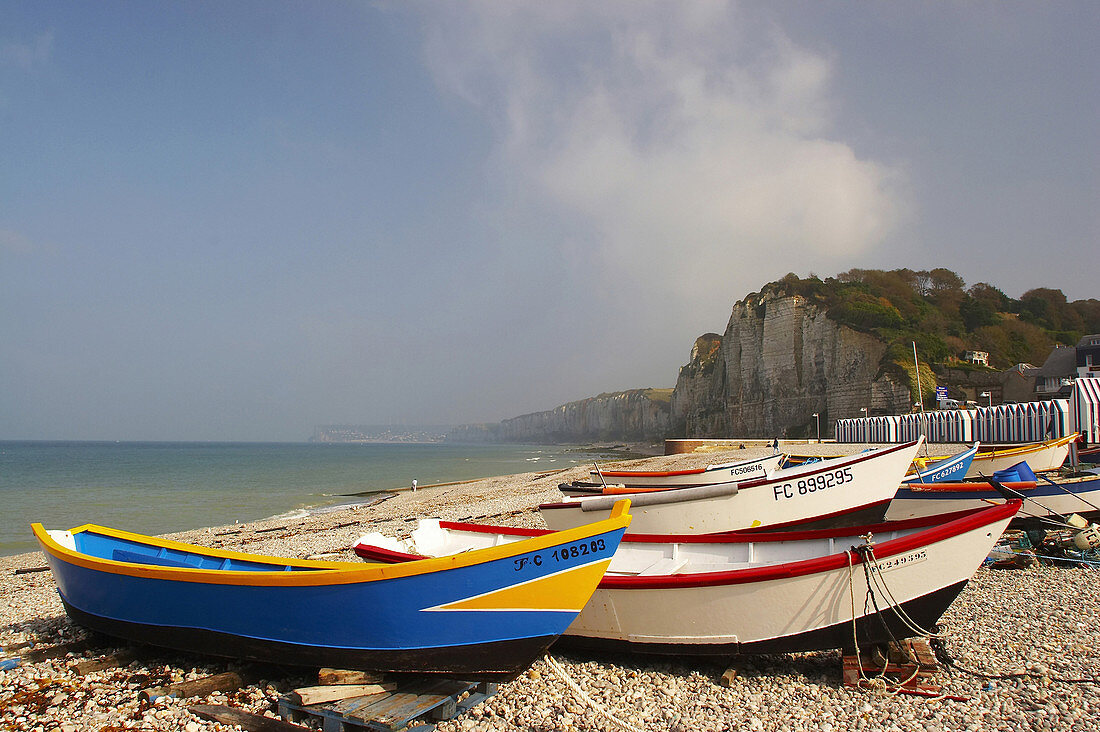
{"type": "Point", "coordinates": [781, 612]}
{"type": "Point", "coordinates": [774, 592]}
{"type": "Point", "coordinates": [825, 490]}
{"type": "Point", "coordinates": [1042, 500]}
{"type": "Point", "coordinates": [1039, 457]}
{"type": "Point", "coordinates": [711, 475]}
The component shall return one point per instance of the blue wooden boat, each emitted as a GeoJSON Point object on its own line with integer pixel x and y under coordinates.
{"type": "Point", "coordinates": [481, 615]}
{"type": "Point", "coordinates": [1043, 497]}
{"type": "Point", "coordinates": [939, 470]}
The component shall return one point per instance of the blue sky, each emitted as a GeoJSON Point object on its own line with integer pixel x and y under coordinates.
{"type": "Point", "coordinates": [236, 221]}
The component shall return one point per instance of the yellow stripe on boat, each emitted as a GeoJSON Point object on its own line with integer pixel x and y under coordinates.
{"type": "Point", "coordinates": [565, 591]}
{"type": "Point", "coordinates": [323, 573]}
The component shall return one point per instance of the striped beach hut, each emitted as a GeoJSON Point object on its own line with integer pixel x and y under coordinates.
{"type": "Point", "coordinates": [885, 429]}
{"type": "Point", "coordinates": [1004, 423]}
{"type": "Point", "coordinates": [846, 430]}
{"type": "Point", "coordinates": [912, 426]}
{"type": "Point", "coordinates": [954, 425]}
{"type": "Point", "coordinates": [1084, 408]}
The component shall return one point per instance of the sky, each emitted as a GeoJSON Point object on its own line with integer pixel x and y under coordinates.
{"type": "Point", "coordinates": [239, 221]}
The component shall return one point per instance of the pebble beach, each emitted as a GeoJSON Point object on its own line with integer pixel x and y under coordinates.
{"type": "Point", "coordinates": [1036, 631]}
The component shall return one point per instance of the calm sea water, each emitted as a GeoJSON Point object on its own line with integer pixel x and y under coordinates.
{"type": "Point", "coordinates": [161, 487]}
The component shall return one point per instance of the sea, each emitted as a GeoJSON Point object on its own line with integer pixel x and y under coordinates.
{"type": "Point", "coordinates": [163, 487]}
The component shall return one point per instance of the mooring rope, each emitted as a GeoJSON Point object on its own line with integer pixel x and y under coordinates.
{"type": "Point", "coordinates": [600, 708]}
{"type": "Point", "coordinates": [879, 684]}
{"type": "Point", "coordinates": [896, 606]}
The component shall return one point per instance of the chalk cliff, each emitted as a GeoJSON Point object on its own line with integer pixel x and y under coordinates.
{"type": "Point", "coordinates": [637, 415]}
{"type": "Point", "coordinates": [778, 362]}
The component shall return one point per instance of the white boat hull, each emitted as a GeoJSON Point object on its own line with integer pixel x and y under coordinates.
{"type": "Point", "coordinates": [784, 613]}
{"type": "Point", "coordinates": [1080, 495]}
{"type": "Point", "coordinates": [767, 593]}
{"type": "Point", "coordinates": [841, 491]}
{"type": "Point", "coordinates": [1039, 457]}
{"type": "Point", "coordinates": [711, 475]}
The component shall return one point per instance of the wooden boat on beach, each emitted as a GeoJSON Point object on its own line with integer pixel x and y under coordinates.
{"type": "Point", "coordinates": [1040, 456]}
{"type": "Point", "coordinates": [1044, 497]}
{"type": "Point", "coordinates": [836, 492]}
{"type": "Point", "coordinates": [740, 470]}
{"type": "Point", "coordinates": [938, 470]}
{"type": "Point", "coordinates": [756, 592]}
{"type": "Point", "coordinates": [480, 615]}
{"type": "Point", "coordinates": [922, 470]}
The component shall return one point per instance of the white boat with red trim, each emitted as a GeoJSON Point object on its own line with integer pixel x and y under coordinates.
{"type": "Point", "coordinates": [756, 592]}
{"type": "Point", "coordinates": [1040, 456]}
{"type": "Point", "coordinates": [1044, 496]}
{"type": "Point", "coordinates": [844, 491]}
{"type": "Point", "coordinates": [736, 471]}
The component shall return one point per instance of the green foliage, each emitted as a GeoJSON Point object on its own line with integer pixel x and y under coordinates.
{"type": "Point", "coordinates": [976, 313]}
{"type": "Point", "coordinates": [866, 312]}
{"type": "Point", "coordinates": [661, 396]}
{"type": "Point", "coordinates": [898, 361]}
{"type": "Point", "coordinates": [934, 309]}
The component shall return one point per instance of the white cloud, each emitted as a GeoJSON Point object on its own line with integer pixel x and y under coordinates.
{"type": "Point", "coordinates": [13, 242]}
{"type": "Point", "coordinates": [687, 144]}
{"type": "Point", "coordinates": [27, 54]}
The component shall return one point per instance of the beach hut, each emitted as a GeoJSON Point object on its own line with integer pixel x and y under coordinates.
{"type": "Point", "coordinates": [883, 429]}
{"type": "Point", "coordinates": [963, 429]}
{"type": "Point", "coordinates": [1084, 409]}
{"type": "Point", "coordinates": [844, 430]}
{"type": "Point", "coordinates": [985, 427]}
{"type": "Point", "coordinates": [953, 425]}
{"type": "Point", "coordinates": [912, 426]}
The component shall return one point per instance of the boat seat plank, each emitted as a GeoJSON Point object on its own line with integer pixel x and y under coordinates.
{"type": "Point", "coordinates": [122, 555]}
{"type": "Point", "coordinates": [665, 566]}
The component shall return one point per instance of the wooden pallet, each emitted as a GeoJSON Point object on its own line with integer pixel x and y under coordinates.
{"type": "Point", "coordinates": [909, 663]}
{"type": "Point", "coordinates": [416, 704]}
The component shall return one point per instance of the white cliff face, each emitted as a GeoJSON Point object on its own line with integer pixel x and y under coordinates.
{"type": "Point", "coordinates": [780, 360]}
{"type": "Point", "coordinates": [637, 415]}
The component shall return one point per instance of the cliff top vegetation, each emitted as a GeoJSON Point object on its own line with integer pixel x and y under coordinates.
{"type": "Point", "coordinates": [945, 318]}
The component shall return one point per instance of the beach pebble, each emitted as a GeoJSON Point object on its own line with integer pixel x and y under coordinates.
{"type": "Point", "coordinates": [1043, 622]}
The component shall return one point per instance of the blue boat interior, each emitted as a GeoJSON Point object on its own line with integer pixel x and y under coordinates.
{"type": "Point", "coordinates": [133, 552]}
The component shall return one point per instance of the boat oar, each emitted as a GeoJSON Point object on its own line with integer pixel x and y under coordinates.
{"type": "Point", "coordinates": [1026, 514]}
{"type": "Point", "coordinates": [1009, 493]}
{"type": "Point", "coordinates": [1067, 490]}
{"type": "Point", "coordinates": [600, 473]}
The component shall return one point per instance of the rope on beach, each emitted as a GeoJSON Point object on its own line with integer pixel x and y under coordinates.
{"type": "Point", "coordinates": [940, 649]}
{"type": "Point", "coordinates": [600, 708]}
{"type": "Point", "coordinates": [937, 641]}
{"type": "Point", "coordinates": [879, 684]}
{"type": "Point", "coordinates": [896, 606]}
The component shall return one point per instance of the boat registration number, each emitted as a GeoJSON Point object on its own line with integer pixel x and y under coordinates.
{"type": "Point", "coordinates": [563, 553]}
{"type": "Point", "coordinates": [904, 560]}
{"type": "Point", "coordinates": [748, 471]}
{"type": "Point", "coordinates": [812, 484]}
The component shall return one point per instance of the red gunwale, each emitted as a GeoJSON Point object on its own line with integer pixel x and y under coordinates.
{"type": "Point", "coordinates": [674, 473]}
{"type": "Point", "coordinates": [826, 466]}
{"type": "Point", "coordinates": [648, 473]}
{"type": "Point", "coordinates": [967, 487]}
{"type": "Point", "coordinates": [935, 530]}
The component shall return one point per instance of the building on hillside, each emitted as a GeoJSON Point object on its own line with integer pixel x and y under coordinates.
{"type": "Point", "coordinates": [976, 357]}
{"type": "Point", "coordinates": [1018, 383]}
{"type": "Point", "coordinates": [1055, 377]}
{"type": "Point", "coordinates": [1088, 357]}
